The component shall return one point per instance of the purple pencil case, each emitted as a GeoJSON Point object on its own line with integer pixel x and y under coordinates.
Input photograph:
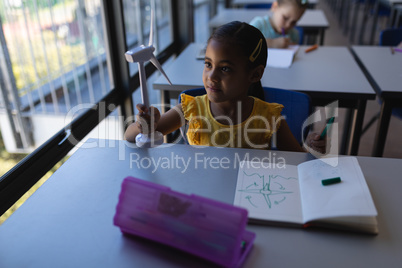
{"type": "Point", "coordinates": [203, 227]}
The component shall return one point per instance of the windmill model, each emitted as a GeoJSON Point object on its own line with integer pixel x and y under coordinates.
{"type": "Point", "coordinates": [140, 55]}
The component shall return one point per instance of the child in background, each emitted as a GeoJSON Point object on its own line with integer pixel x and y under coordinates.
{"type": "Point", "coordinates": [231, 114]}
{"type": "Point", "coordinates": [278, 27]}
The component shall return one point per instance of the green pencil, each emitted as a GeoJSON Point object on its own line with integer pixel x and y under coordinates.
{"type": "Point", "coordinates": [329, 123]}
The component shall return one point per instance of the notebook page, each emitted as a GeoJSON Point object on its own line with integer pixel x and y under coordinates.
{"type": "Point", "coordinates": [269, 192]}
{"type": "Point", "coordinates": [281, 57]}
{"type": "Point", "coordinates": [350, 197]}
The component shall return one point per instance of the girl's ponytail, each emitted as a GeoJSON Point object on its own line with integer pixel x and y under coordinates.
{"type": "Point", "coordinates": [257, 91]}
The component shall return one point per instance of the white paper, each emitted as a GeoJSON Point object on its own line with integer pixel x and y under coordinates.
{"type": "Point", "coordinates": [281, 57]}
{"type": "Point", "coordinates": [350, 197]}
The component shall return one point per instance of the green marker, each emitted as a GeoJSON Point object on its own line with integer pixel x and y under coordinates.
{"type": "Point", "coordinates": [331, 181]}
{"type": "Point", "coordinates": [324, 132]}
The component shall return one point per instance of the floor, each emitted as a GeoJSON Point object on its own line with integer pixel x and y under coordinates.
{"type": "Point", "coordinates": [335, 36]}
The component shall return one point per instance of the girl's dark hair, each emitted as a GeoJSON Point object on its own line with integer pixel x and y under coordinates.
{"type": "Point", "coordinates": [251, 44]}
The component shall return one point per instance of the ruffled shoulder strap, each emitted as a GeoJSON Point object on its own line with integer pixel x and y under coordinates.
{"type": "Point", "coordinates": [192, 106]}
{"type": "Point", "coordinates": [271, 108]}
{"type": "Point", "coordinates": [270, 111]}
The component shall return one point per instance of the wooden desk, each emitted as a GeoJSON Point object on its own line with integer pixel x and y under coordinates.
{"type": "Point", "coordinates": [383, 70]}
{"type": "Point", "coordinates": [326, 75]}
{"type": "Point", "coordinates": [313, 22]}
{"type": "Point", "coordinates": [68, 222]}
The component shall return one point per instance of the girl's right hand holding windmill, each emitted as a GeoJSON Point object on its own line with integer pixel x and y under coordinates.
{"type": "Point", "coordinates": [147, 118]}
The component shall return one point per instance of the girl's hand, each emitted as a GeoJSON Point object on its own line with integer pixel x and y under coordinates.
{"type": "Point", "coordinates": [313, 142]}
{"type": "Point", "coordinates": [147, 118]}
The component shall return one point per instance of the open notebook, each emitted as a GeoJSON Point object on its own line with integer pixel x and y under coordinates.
{"type": "Point", "coordinates": [295, 196]}
{"type": "Point", "coordinates": [282, 57]}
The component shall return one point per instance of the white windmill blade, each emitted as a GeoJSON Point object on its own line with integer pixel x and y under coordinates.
{"type": "Point", "coordinates": [151, 30]}
{"type": "Point", "coordinates": [156, 63]}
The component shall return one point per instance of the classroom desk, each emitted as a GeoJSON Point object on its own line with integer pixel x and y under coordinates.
{"type": "Point", "coordinates": [242, 3]}
{"type": "Point", "coordinates": [314, 22]}
{"type": "Point", "coordinates": [326, 75]}
{"type": "Point", "coordinates": [68, 222]}
{"type": "Point", "coordinates": [383, 70]}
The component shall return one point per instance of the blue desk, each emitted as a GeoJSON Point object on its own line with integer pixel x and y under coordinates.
{"type": "Point", "coordinates": [68, 222]}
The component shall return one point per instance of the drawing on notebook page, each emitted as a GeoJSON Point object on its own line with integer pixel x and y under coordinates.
{"type": "Point", "coordinates": [272, 187]}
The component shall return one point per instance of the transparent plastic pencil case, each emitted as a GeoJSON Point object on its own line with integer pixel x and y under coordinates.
{"type": "Point", "coordinates": [203, 227]}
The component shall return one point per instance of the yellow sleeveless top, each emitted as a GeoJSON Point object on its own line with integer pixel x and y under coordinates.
{"type": "Point", "coordinates": [255, 132]}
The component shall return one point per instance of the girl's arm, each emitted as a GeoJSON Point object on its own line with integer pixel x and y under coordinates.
{"type": "Point", "coordinates": [166, 123]}
{"type": "Point", "coordinates": [285, 139]}
{"type": "Point", "coordinates": [171, 120]}
{"type": "Point", "coordinates": [287, 142]}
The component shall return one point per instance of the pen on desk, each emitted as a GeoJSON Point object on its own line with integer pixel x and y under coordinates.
{"type": "Point", "coordinates": [331, 181]}
{"type": "Point", "coordinates": [397, 49]}
{"type": "Point", "coordinates": [328, 125]}
{"type": "Point", "coordinates": [314, 47]}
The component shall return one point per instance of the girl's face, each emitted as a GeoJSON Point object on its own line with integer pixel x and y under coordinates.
{"type": "Point", "coordinates": [285, 16]}
{"type": "Point", "coordinates": [226, 76]}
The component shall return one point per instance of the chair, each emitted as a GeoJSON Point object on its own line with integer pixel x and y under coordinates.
{"type": "Point", "coordinates": [388, 37]}
{"type": "Point", "coordinates": [297, 107]}
{"type": "Point", "coordinates": [255, 5]}
{"type": "Point", "coordinates": [301, 34]}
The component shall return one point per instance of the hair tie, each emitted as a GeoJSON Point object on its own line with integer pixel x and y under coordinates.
{"type": "Point", "coordinates": [256, 51]}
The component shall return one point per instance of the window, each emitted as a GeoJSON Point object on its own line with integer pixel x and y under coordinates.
{"type": "Point", "coordinates": [69, 54]}
{"type": "Point", "coordinates": [57, 55]}
{"type": "Point", "coordinates": [56, 62]}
